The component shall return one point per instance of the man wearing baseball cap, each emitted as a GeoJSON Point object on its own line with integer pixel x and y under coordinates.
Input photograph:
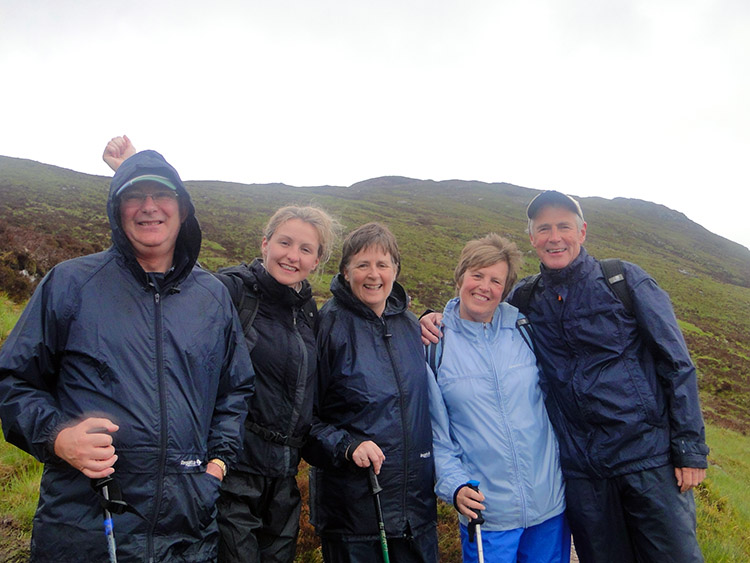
{"type": "Point", "coordinates": [130, 364]}
{"type": "Point", "coordinates": [621, 393]}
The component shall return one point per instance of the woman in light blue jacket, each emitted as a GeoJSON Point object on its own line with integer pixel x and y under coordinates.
{"type": "Point", "coordinates": [489, 420]}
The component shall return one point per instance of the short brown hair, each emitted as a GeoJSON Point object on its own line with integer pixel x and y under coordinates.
{"type": "Point", "coordinates": [366, 236]}
{"type": "Point", "coordinates": [487, 251]}
{"type": "Point", "coordinates": [326, 227]}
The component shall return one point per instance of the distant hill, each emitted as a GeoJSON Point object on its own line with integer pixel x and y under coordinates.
{"type": "Point", "coordinates": [48, 214]}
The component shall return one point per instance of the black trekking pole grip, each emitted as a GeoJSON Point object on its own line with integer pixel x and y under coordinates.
{"type": "Point", "coordinates": [101, 485]}
{"type": "Point", "coordinates": [375, 487]}
{"type": "Point", "coordinates": [475, 525]}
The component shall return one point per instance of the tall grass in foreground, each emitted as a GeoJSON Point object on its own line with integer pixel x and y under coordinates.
{"type": "Point", "coordinates": [724, 498]}
{"type": "Point", "coordinates": [723, 503]}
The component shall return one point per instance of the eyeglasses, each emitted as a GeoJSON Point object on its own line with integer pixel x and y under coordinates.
{"type": "Point", "coordinates": [139, 198]}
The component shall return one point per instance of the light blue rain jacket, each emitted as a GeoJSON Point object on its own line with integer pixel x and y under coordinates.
{"type": "Point", "coordinates": [489, 422]}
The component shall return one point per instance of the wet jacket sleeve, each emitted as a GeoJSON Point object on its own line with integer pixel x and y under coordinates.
{"type": "Point", "coordinates": [449, 470]}
{"type": "Point", "coordinates": [657, 321]}
{"type": "Point", "coordinates": [28, 374]}
{"type": "Point", "coordinates": [236, 385]}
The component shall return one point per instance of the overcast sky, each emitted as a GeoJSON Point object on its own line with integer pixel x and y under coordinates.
{"type": "Point", "coordinates": [645, 98]}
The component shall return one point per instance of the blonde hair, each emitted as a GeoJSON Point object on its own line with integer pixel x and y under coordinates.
{"type": "Point", "coordinates": [326, 226]}
{"type": "Point", "coordinates": [487, 251]}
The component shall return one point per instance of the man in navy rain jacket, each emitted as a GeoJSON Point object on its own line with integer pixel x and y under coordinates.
{"type": "Point", "coordinates": [622, 395]}
{"type": "Point", "coordinates": [131, 363]}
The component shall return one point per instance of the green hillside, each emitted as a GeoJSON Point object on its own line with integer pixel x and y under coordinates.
{"type": "Point", "coordinates": [48, 214]}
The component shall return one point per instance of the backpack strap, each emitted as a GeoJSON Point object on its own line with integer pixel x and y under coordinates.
{"type": "Point", "coordinates": [614, 275]}
{"type": "Point", "coordinates": [527, 331]}
{"type": "Point", "coordinates": [524, 291]}
{"type": "Point", "coordinates": [434, 355]}
{"type": "Point", "coordinates": [247, 308]}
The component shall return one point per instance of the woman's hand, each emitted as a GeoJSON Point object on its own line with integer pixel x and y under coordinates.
{"type": "Point", "coordinates": [468, 500]}
{"type": "Point", "coordinates": [368, 453]}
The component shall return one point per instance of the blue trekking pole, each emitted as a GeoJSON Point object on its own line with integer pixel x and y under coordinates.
{"type": "Point", "coordinates": [475, 525]}
{"type": "Point", "coordinates": [102, 485]}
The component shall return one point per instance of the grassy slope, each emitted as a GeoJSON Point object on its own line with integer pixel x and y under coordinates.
{"type": "Point", "coordinates": [48, 213]}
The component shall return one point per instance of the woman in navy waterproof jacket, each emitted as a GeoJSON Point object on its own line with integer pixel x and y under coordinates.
{"type": "Point", "coordinates": [371, 410]}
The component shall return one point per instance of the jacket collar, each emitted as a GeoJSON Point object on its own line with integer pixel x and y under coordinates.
{"type": "Point", "coordinates": [397, 301]}
{"type": "Point", "coordinates": [276, 291]}
{"type": "Point", "coordinates": [504, 317]}
{"type": "Point", "coordinates": [572, 273]}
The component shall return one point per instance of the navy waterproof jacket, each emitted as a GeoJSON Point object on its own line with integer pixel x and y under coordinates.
{"type": "Point", "coordinates": [161, 356]}
{"type": "Point", "coordinates": [621, 390]}
{"type": "Point", "coordinates": [372, 386]}
{"type": "Point", "coordinates": [284, 355]}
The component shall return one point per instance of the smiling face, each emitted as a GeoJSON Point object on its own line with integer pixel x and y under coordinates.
{"type": "Point", "coordinates": [556, 237]}
{"type": "Point", "coordinates": [481, 291]}
{"type": "Point", "coordinates": [371, 273]}
{"type": "Point", "coordinates": [151, 223]}
{"type": "Point", "coordinates": [292, 252]}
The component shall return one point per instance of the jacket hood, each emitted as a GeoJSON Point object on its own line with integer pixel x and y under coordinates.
{"type": "Point", "coordinates": [189, 238]}
{"type": "Point", "coordinates": [398, 300]}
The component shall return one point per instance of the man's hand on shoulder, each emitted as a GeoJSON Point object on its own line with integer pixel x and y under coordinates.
{"type": "Point", "coordinates": [430, 325]}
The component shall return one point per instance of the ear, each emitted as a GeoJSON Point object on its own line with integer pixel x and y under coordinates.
{"type": "Point", "coordinates": [264, 248]}
{"type": "Point", "coordinates": [583, 233]}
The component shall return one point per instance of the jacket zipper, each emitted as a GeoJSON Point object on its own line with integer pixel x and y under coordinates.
{"type": "Point", "coordinates": [402, 409]}
{"type": "Point", "coordinates": [511, 440]}
{"type": "Point", "coordinates": [163, 421]}
{"type": "Point", "coordinates": [301, 386]}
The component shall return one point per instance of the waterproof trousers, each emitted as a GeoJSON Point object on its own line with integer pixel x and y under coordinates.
{"type": "Point", "coordinates": [418, 549]}
{"type": "Point", "coordinates": [639, 517]}
{"type": "Point", "coordinates": [547, 542]}
{"type": "Point", "coordinates": [258, 518]}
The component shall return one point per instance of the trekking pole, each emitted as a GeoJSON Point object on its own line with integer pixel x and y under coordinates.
{"type": "Point", "coordinates": [475, 525]}
{"type": "Point", "coordinates": [376, 488]}
{"type": "Point", "coordinates": [103, 486]}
